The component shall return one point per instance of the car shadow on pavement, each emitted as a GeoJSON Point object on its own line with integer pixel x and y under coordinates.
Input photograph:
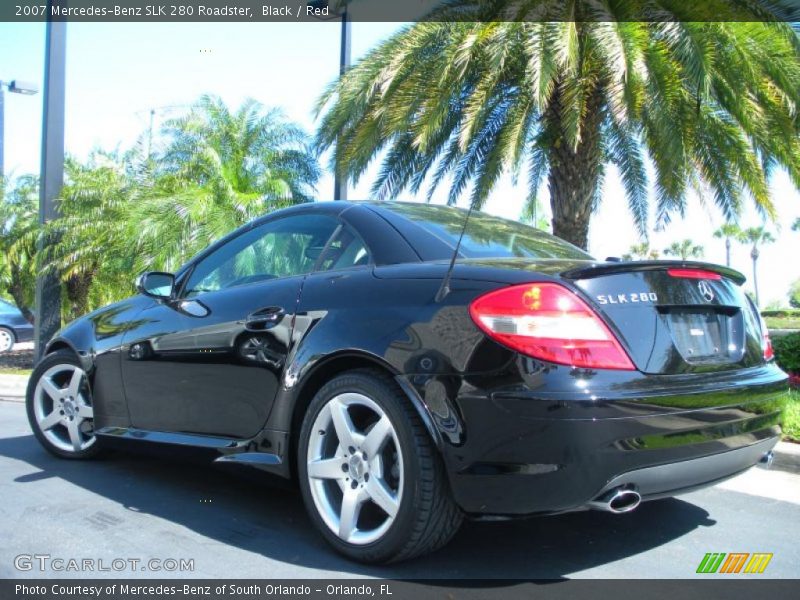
{"type": "Point", "coordinates": [257, 515]}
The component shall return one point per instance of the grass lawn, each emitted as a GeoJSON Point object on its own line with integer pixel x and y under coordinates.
{"type": "Point", "coordinates": [783, 322]}
{"type": "Point", "coordinates": [14, 371]}
{"type": "Point", "coordinates": [791, 418]}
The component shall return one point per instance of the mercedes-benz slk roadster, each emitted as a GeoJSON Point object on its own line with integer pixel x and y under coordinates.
{"type": "Point", "coordinates": [407, 382]}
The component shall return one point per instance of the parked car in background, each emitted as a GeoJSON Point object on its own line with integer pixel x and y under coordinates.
{"type": "Point", "coordinates": [335, 344]}
{"type": "Point", "coordinates": [14, 328]}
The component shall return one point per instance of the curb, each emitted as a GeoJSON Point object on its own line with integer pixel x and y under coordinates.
{"type": "Point", "coordinates": [787, 457]}
{"type": "Point", "coordinates": [12, 387]}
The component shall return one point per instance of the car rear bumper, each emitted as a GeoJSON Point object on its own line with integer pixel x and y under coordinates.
{"type": "Point", "coordinates": [515, 450]}
{"type": "Point", "coordinates": [687, 475]}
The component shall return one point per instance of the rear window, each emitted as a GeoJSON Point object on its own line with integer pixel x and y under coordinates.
{"type": "Point", "coordinates": [487, 236]}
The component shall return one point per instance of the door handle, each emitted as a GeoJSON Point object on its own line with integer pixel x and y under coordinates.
{"type": "Point", "coordinates": [264, 318]}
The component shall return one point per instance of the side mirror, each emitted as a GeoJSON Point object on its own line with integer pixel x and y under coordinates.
{"type": "Point", "coordinates": [156, 284]}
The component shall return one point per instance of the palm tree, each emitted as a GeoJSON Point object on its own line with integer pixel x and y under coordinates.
{"type": "Point", "coordinates": [685, 249]}
{"type": "Point", "coordinates": [216, 170]}
{"type": "Point", "coordinates": [220, 169]}
{"type": "Point", "coordinates": [642, 251]}
{"type": "Point", "coordinates": [122, 214]}
{"type": "Point", "coordinates": [95, 240]}
{"type": "Point", "coordinates": [728, 232]}
{"type": "Point", "coordinates": [250, 151]}
{"type": "Point", "coordinates": [484, 88]}
{"type": "Point", "coordinates": [796, 224]}
{"type": "Point", "coordinates": [19, 214]}
{"type": "Point", "coordinates": [756, 236]}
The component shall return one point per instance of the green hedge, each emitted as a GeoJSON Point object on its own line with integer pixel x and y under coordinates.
{"type": "Point", "coordinates": [782, 313]}
{"type": "Point", "coordinates": [787, 352]}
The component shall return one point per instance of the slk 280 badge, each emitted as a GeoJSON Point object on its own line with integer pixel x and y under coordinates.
{"type": "Point", "coordinates": [627, 298]}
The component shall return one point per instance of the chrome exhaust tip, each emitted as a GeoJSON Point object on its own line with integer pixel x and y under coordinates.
{"type": "Point", "coordinates": [765, 462]}
{"type": "Point", "coordinates": [617, 501]}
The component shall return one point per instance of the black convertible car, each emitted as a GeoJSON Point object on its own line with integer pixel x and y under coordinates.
{"type": "Point", "coordinates": [335, 344]}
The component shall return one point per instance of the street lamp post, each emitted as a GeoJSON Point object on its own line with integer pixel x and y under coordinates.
{"type": "Point", "coordinates": [340, 183]}
{"type": "Point", "coordinates": [48, 282]}
{"type": "Point", "coordinates": [15, 87]}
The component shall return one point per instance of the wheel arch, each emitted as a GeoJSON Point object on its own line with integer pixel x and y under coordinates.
{"type": "Point", "coordinates": [63, 343]}
{"type": "Point", "coordinates": [331, 366]}
{"type": "Point", "coordinates": [59, 344]}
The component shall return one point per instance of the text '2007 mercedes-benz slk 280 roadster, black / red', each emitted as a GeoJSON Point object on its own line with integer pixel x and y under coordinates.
{"type": "Point", "coordinates": [406, 381]}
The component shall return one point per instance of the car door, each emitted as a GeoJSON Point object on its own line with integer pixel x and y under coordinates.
{"type": "Point", "coordinates": [213, 357]}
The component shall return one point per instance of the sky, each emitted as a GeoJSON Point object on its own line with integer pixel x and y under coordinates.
{"type": "Point", "coordinates": [117, 73]}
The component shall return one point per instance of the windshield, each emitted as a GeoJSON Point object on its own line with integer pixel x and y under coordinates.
{"type": "Point", "coordinates": [487, 236]}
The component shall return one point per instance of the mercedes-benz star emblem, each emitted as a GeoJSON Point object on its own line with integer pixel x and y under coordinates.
{"type": "Point", "coordinates": [705, 290]}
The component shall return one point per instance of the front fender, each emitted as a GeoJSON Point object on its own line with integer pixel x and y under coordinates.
{"type": "Point", "coordinates": [96, 339]}
{"type": "Point", "coordinates": [78, 342]}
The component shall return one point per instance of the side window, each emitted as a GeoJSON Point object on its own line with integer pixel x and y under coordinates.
{"type": "Point", "coordinates": [281, 248]}
{"type": "Point", "coordinates": [346, 250]}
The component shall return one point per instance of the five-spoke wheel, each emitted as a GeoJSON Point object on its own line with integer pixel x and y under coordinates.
{"type": "Point", "coordinates": [355, 468]}
{"type": "Point", "coordinates": [371, 477]}
{"type": "Point", "coordinates": [60, 408]}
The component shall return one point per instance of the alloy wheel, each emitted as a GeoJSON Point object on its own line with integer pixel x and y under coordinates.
{"type": "Point", "coordinates": [62, 405]}
{"type": "Point", "coordinates": [6, 340]}
{"type": "Point", "coordinates": [355, 468]}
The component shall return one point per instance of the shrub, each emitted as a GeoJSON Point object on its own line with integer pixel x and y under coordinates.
{"type": "Point", "coordinates": [781, 313]}
{"type": "Point", "coordinates": [790, 420]}
{"type": "Point", "coordinates": [787, 352]}
{"type": "Point", "coordinates": [794, 294]}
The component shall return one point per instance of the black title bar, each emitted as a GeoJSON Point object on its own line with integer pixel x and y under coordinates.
{"type": "Point", "coordinates": [193, 11]}
{"type": "Point", "coordinates": [381, 589]}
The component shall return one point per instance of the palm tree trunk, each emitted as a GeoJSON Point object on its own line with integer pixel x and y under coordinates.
{"type": "Point", "coordinates": [17, 291]}
{"type": "Point", "coordinates": [77, 288]}
{"type": "Point", "coordinates": [574, 172]}
{"type": "Point", "coordinates": [728, 251]}
{"type": "Point", "coordinates": [754, 256]}
{"type": "Point", "coordinates": [19, 299]}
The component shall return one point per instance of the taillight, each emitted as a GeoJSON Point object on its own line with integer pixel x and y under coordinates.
{"type": "Point", "coordinates": [549, 322]}
{"type": "Point", "coordinates": [766, 343]}
{"type": "Point", "coordinates": [769, 353]}
{"type": "Point", "coordinates": [694, 274]}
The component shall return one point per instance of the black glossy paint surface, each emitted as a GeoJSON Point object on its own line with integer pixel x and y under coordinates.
{"type": "Point", "coordinates": [517, 435]}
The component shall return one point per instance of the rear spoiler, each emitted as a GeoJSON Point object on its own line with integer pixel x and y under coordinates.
{"type": "Point", "coordinates": [610, 268]}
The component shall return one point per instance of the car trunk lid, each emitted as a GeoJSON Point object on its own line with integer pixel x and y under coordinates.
{"type": "Point", "coordinates": [674, 316]}
{"type": "Point", "coordinates": [668, 323]}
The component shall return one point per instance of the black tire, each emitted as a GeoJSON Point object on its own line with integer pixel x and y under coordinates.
{"type": "Point", "coordinates": [60, 357]}
{"type": "Point", "coordinates": [10, 333]}
{"type": "Point", "coordinates": [427, 516]}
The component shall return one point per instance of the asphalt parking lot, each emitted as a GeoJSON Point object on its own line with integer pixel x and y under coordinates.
{"type": "Point", "coordinates": [144, 507]}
